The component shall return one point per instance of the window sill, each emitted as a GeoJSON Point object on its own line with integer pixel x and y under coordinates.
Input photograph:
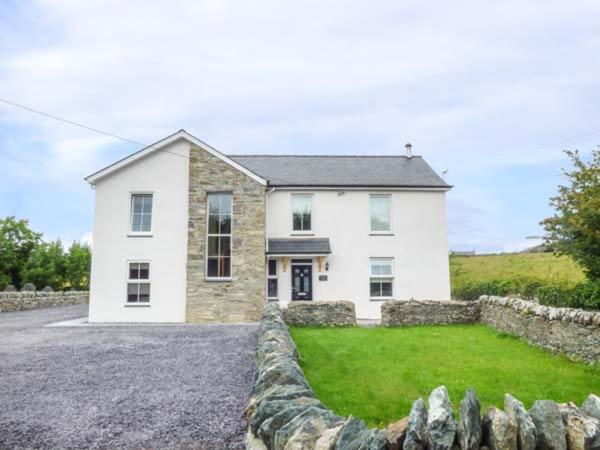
{"type": "Point", "coordinates": [137, 305]}
{"type": "Point", "coordinates": [273, 299]}
{"type": "Point", "coordinates": [381, 299]}
{"type": "Point", "coordinates": [381, 233]}
{"type": "Point", "coordinates": [211, 280]}
{"type": "Point", "coordinates": [139, 235]}
{"type": "Point", "coordinates": [302, 233]}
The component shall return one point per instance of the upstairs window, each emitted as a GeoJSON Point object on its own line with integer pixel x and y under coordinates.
{"type": "Point", "coordinates": [141, 213]}
{"type": "Point", "coordinates": [380, 213]}
{"type": "Point", "coordinates": [218, 239]}
{"type": "Point", "coordinates": [301, 212]}
{"type": "Point", "coordinates": [138, 283]}
{"type": "Point", "coordinates": [382, 278]}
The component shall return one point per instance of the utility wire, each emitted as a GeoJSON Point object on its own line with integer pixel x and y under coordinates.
{"type": "Point", "coordinates": [86, 127]}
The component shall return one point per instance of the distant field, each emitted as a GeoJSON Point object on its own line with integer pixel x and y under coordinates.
{"type": "Point", "coordinates": [544, 267]}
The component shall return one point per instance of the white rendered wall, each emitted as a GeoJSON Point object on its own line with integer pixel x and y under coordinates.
{"type": "Point", "coordinates": [166, 176]}
{"type": "Point", "coordinates": [418, 245]}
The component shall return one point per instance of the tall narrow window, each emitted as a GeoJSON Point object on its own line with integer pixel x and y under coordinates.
{"type": "Point", "coordinates": [382, 278]}
{"type": "Point", "coordinates": [272, 287]}
{"type": "Point", "coordinates": [380, 213]}
{"type": "Point", "coordinates": [141, 213]}
{"type": "Point", "coordinates": [301, 212]}
{"type": "Point", "coordinates": [138, 282]}
{"type": "Point", "coordinates": [218, 240]}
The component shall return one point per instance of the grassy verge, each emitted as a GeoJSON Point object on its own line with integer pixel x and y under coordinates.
{"type": "Point", "coordinates": [375, 374]}
{"type": "Point", "coordinates": [542, 267]}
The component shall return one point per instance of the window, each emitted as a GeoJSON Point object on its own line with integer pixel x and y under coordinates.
{"type": "Point", "coordinates": [218, 255]}
{"type": "Point", "coordinates": [272, 279]}
{"type": "Point", "coordinates": [138, 283]}
{"type": "Point", "coordinates": [141, 213]}
{"type": "Point", "coordinates": [382, 278]}
{"type": "Point", "coordinates": [301, 212]}
{"type": "Point", "coordinates": [380, 213]}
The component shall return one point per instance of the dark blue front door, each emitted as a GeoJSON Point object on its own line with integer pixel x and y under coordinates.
{"type": "Point", "coordinates": [302, 281]}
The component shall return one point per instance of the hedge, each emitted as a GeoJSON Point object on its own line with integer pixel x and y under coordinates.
{"type": "Point", "coordinates": [583, 295]}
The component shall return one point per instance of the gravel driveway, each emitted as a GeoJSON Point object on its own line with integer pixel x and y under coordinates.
{"type": "Point", "coordinates": [159, 386]}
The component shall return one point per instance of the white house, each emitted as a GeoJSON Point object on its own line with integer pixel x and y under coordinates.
{"type": "Point", "coordinates": [183, 232]}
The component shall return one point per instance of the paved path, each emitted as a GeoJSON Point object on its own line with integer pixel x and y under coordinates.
{"type": "Point", "coordinates": [172, 386]}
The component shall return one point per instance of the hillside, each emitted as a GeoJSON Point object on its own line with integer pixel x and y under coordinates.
{"type": "Point", "coordinates": [544, 267]}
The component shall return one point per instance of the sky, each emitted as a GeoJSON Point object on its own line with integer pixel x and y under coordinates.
{"type": "Point", "coordinates": [492, 92]}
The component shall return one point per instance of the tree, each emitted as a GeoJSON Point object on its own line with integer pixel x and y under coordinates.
{"type": "Point", "coordinates": [574, 230]}
{"type": "Point", "coordinates": [78, 262]}
{"type": "Point", "coordinates": [46, 266]}
{"type": "Point", "coordinates": [17, 241]}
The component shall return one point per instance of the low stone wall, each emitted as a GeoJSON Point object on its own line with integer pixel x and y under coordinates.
{"type": "Point", "coordinates": [572, 332]}
{"type": "Point", "coordinates": [17, 301]}
{"type": "Point", "coordinates": [284, 411]}
{"type": "Point", "coordinates": [329, 314]}
{"type": "Point", "coordinates": [398, 313]}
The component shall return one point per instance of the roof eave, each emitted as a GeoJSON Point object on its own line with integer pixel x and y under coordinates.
{"type": "Point", "coordinates": [181, 134]}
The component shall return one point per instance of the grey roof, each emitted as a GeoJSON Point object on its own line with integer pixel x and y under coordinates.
{"type": "Point", "coordinates": [299, 246]}
{"type": "Point", "coordinates": [338, 170]}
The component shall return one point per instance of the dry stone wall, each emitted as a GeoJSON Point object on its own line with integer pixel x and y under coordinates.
{"type": "Point", "coordinates": [284, 413]}
{"type": "Point", "coordinates": [18, 301]}
{"type": "Point", "coordinates": [397, 313]}
{"type": "Point", "coordinates": [328, 314]}
{"type": "Point", "coordinates": [572, 332]}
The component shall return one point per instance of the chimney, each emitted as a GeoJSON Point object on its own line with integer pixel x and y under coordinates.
{"type": "Point", "coordinates": [408, 148]}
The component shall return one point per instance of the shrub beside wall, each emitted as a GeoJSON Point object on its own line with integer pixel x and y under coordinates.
{"type": "Point", "coordinates": [583, 295]}
{"type": "Point", "coordinates": [18, 301]}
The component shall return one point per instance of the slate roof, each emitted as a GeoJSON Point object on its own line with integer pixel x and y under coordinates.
{"type": "Point", "coordinates": [299, 246]}
{"type": "Point", "coordinates": [338, 170]}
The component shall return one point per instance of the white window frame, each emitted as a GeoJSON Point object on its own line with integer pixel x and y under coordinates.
{"type": "Point", "coordinates": [273, 277]}
{"type": "Point", "coordinates": [381, 278]}
{"type": "Point", "coordinates": [230, 235]}
{"type": "Point", "coordinates": [141, 233]}
{"type": "Point", "coordinates": [380, 232]}
{"type": "Point", "coordinates": [312, 213]}
{"type": "Point", "coordinates": [138, 281]}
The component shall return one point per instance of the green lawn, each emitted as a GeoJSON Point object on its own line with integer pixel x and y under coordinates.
{"type": "Point", "coordinates": [376, 373]}
{"type": "Point", "coordinates": [544, 267]}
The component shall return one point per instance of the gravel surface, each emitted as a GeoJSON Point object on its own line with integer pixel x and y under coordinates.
{"type": "Point", "coordinates": [172, 386]}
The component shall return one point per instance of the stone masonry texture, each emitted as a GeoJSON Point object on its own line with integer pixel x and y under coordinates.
{"type": "Point", "coordinates": [332, 314]}
{"type": "Point", "coordinates": [19, 301]}
{"type": "Point", "coordinates": [241, 299]}
{"type": "Point", "coordinates": [427, 312]}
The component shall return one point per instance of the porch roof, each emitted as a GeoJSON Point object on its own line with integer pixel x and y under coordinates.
{"type": "Point", "coordinates": [299, 246]}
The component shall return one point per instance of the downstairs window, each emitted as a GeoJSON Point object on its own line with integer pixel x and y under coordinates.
{"type": "Point", "coordinates": [138, 283]}
{"type": "Point", "coordinates": [381, 281]}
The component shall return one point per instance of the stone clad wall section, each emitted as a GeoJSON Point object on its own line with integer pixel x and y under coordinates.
{"type": "Point", "coordinates": [572, 332]}
{"type": "Point", "coordinates": [19, 301]}
{"type": "Point", "coordinates": [398, 313]}
{"type": "Point", "coordinates": [242, 298]}
{"type": "Point", "coordinates": [328, 314]}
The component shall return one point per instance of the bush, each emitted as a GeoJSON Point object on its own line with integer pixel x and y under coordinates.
{"type": "Point", "coordinates": [583, 295]}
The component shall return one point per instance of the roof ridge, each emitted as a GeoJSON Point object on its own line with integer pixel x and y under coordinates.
{"type": "Point", "coordinates": [320, 156]}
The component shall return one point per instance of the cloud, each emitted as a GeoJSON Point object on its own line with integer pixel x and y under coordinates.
{"type": "Point", "coordinates": [475, 86]}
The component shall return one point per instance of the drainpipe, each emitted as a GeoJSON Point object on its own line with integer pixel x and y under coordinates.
{"type": "Point", "coordinates": [266, 220]}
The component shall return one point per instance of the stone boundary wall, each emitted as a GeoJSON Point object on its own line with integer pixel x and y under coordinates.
{"type": "Point", "coordinates": [329, 314]}
{"type": "Point", "coordinates": [572, 332]}
{"type": "Point", "coordinates": [398, 313]}
{"type": "Point", "coordinates": [18, 301]}
{"type": "Point", "coordinates": [284, 413]}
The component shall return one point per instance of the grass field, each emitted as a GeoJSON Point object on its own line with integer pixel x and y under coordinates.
{"type": "Point", "coordinates": [376, 373]}
{"type": "Point", "coordinates": [544, 267]}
